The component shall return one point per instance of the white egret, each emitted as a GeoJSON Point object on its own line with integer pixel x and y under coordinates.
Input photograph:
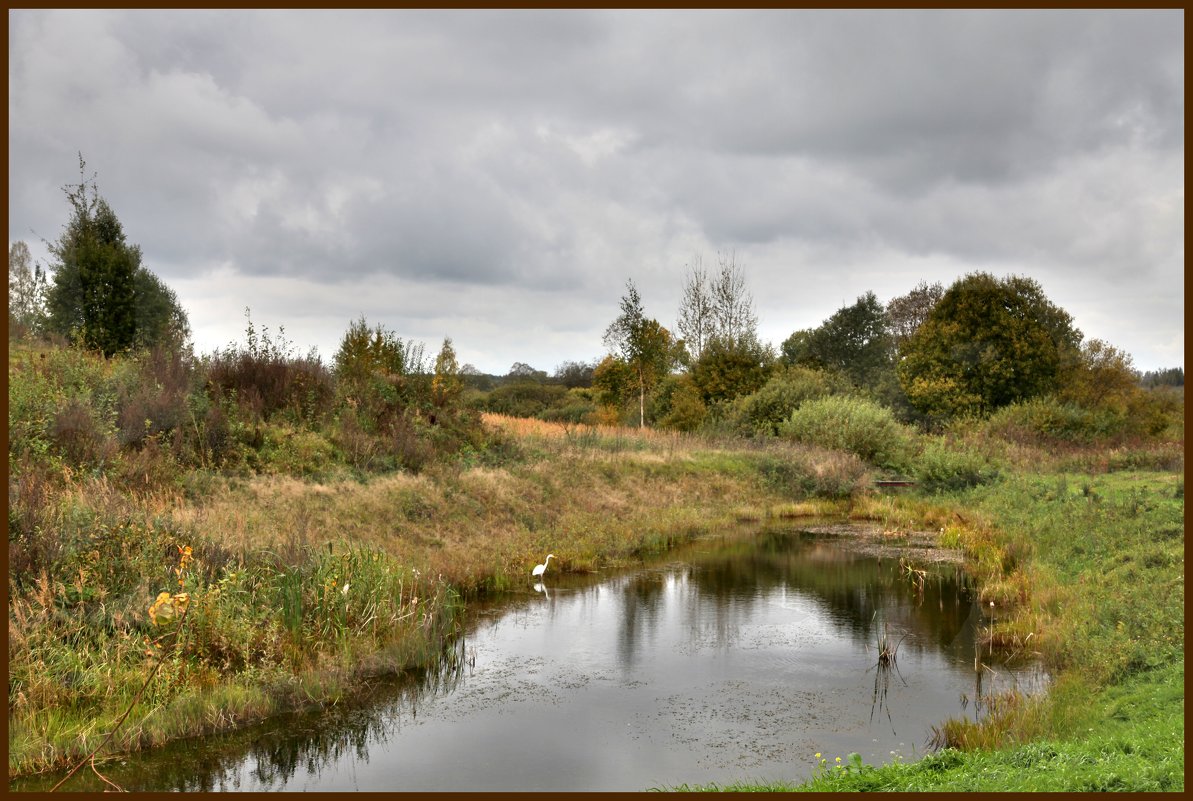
{"type": "Point", "coordinates": [540, 569]}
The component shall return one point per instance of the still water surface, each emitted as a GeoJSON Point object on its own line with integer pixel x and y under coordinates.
{"type": "Point", "coordinates": [740, 657]}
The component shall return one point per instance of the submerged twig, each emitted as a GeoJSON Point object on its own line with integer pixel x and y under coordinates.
{"type": "Point", "coordinates": [104, 778]}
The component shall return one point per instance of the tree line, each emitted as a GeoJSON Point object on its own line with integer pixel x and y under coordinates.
{"type": "Point", "coordinates": [932, 355]}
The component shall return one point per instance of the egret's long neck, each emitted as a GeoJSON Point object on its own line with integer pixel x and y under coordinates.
{"type": "Point", "coordinates": [545, 561]}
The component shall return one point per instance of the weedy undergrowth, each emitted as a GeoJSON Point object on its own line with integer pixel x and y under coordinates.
{"type": "Point", "coordinates": [165, 608]}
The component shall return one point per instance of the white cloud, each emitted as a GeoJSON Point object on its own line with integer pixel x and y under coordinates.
{"type": "Point", "coordinates": [497, 176]}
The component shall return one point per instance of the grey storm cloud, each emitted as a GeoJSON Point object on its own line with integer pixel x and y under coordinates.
{"type": "Point", "coordinates": [543, 157]}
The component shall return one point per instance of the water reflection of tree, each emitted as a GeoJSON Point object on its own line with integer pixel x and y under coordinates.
{"type": "Point", "coordinates": [849, 586]}
{"type": "Point", "coordinates": [714, 620]}
{"type": "Point", "coordinates": [720, 589]}
{"type": "Point", "coordinates": [641, 602]}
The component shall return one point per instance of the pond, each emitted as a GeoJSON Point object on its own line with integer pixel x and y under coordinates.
{"type": "Point", "coordinates": [739, 657]}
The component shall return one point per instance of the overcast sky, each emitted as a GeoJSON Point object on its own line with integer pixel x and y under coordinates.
{"type": "Point", "coordinates": [497, 176]}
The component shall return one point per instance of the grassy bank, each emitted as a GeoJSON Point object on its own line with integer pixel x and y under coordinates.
{"type": "Point", "coordinates": [298, 591]}
{"type": "Point", "coordinates": [290, 560]}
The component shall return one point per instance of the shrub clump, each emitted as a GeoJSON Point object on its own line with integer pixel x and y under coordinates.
{"type": "Point", "coordinates": [944, 467]}
{"type": "Point", "coordinates": [267, 379]}
{"type": "Point", "coordinates": [856, 425]}
{"type": "Point", "coordinates": [812, 472]}
{"type": "Point", "coordinates": [1050, 421]}
{"type": "Point", "coordinates": [765, 411]}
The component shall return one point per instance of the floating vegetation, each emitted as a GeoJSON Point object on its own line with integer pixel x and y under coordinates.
{"type": "Point", "coordinates": [917, 576]}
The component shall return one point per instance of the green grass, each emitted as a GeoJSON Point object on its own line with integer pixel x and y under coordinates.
{"type": "Point", "coordinates": [264, 632]}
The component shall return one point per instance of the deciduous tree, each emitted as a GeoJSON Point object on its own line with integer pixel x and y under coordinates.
{"type": "Point", "coordinates": [906, 313]}
{"type": "Point", "coordinates": [1103, 376]}
{"type": "Point", "coordinates": [686, 409]}
{"type": "Point", "coordinates": [520, 371]}
{"type": "Point", "coordinates": [727, 370]}
{"type": "Point", "coordinates": [645, 346]}
{"type": "Point", "coordinates": [716, 307]}
{"type": "Point", "coordinates": [160, 318]}
{"type": "Point", "coordinates": [987, 343]}
{"type": "Point", "coordinates": [574, 374]}
{"type": "Point", "coordinates": [853, 341]}
{"type": "Point", "coordinates": [694, 321]}
{"type": "Point", "coordinates": [26, 291]}
{"type": "Point", "coordinates": [613, 380]}
{"type": "Point", "coordinates": [734, 320]}
{"type": "Point", "coordinates": [446, 384]}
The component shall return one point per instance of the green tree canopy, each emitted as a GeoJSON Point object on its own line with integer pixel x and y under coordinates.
{"type": "Point", "coordinates": [102, 297]}
{"type": "Point", "coordinates": [727, 369]}
{"type": "Point", "coordinates": [521, 371]}
{"type": "Point", "coordinates": [613, 381]}
{"type": "Point", "coordinates": [987, 343]}
{"type": "Point", "coordinates": [685, 407]}
{"type": "Point", "coordinates": [1101, 376]}
{"type": "Point", "coordinates": [853, 341]}
{"type": "Point", "coordinates": [160, 318]}
{"type": "Point", "coordinates": [574, 374]}
{"type": "Point", "coordinates": [372, 361]}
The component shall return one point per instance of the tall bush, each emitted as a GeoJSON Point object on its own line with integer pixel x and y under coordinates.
{"type": "Point", "coordinates": [764, 411]}
{"type": "Point", "coordinates": [266, 378]}
{"type": "Point", "coordinates": [1051, 421]}
{"type": "Point", "coordinates": [944, 467]}
{"type": "Point", "coordinates": [855, 425]}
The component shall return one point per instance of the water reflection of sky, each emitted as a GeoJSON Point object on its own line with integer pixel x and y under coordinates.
{"type": "Point", "coordinates": [737, 658]}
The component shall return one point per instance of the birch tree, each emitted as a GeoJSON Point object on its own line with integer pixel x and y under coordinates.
{"type": "Point", "coordinates": [645, 346]}
{"type": "Point", "coordinates": [26, 290]}
{"type": "Point", "coordinates": [695, 309]}
{"type": "Point", "coordinates": [716, 307]}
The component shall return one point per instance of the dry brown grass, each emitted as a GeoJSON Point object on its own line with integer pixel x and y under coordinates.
{"type": "Point", "coordinates": [528, 426]}
{"type": "Point", "coordinates": [486, 526]}
{"type": "Point", "coordinates": [653, 439]}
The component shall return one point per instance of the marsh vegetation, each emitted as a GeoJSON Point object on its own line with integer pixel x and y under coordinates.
{"type": "Point", "coordinates": [733, 653]}
{"type": "Point", "coordinates": [201, 542]}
